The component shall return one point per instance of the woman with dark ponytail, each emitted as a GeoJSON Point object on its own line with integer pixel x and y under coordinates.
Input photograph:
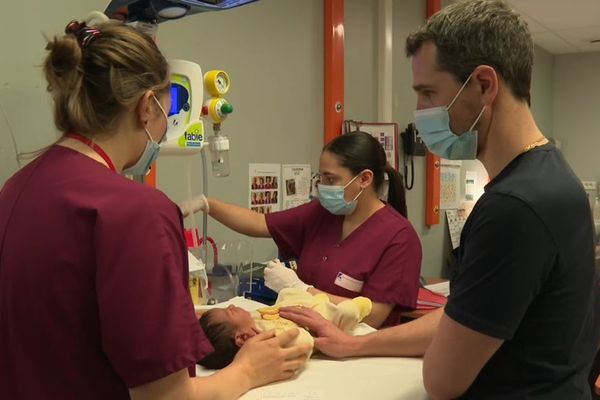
{"type": "Point", "coordinates": [348, 243]}
{"type": "Point", "coordinates": [360, 151]}
{"type": "Point", "coordinates": [94, 302]}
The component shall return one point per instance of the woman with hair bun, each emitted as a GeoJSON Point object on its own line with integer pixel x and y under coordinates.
{"type": "Point", "coordinates": [94, 302]}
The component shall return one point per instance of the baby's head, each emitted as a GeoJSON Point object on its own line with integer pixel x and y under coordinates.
{"type": "Point", "coordinates": [227, 329]}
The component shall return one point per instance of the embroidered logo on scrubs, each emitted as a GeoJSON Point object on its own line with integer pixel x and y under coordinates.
{"type": "Point", "coordinates": [348, 282]}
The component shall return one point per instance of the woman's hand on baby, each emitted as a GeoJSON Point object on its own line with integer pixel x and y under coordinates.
{"type": "Point", "coordinates": [198, 203]}
{"type": "Point", "coordinates": [265, 358]}
{"type": "Point", "coordinates": [329, 339]}
{"type": "Point", "coordinates": [278, 277]}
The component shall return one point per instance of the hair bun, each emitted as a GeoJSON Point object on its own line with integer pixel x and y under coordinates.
{"type": "Point", "coordinates": [65, 55]}
{"type": "Point", "coordinates": [61, 67]}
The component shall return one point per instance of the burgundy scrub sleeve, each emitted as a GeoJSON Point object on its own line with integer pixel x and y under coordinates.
{"type": "Point", "coordinates": [287, 228]}
{"type": "Point", "coordinates": [395, 279]}
{"type": "Point", "coordinates": [148, 326]}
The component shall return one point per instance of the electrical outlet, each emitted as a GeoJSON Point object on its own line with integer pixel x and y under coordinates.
{"type": "Point", "coordinates": [589, 185]}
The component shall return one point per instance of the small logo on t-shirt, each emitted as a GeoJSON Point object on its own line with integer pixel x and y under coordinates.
{"type": "Point", "coordinates": [348, 282]}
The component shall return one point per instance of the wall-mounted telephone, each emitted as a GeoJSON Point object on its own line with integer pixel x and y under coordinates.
{"type": "Point", "coordinates": [411, 142]}
{"type": "Point", "coordinates": [412, 145]}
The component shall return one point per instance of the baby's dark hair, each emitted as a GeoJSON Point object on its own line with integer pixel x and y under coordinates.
{"type": "Point", "coordinates": [220, 335]}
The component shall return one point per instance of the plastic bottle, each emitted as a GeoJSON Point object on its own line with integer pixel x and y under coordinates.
{"type": "Point", "coordinates": [198, 280]}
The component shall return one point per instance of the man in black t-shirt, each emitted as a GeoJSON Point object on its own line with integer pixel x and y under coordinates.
{"type": "Point", "coordinates": [525, 278]}
{"type": "Point", "coordinates": [520, 322]}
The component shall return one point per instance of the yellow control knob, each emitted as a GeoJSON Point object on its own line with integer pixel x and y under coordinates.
{"type": "Point", "coordinates": [217, 109]}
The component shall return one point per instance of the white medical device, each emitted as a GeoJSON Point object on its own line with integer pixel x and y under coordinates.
{"type": "Point", "coordinates": [186, 128]}
{"type": "Point", "coordinates": [186, 134]}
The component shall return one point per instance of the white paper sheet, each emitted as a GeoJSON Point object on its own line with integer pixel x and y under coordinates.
{"type": "Point", "coordinates": [296, 184]}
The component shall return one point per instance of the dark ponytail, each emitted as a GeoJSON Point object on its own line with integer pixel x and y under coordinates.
{"type": "Point", "coordinates": [358, 151]}
{"type": "Point", "coordinates": [396, 192]}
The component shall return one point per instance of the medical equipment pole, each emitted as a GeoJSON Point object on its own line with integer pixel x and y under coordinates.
{"type": "Point", "coordinates": [204, 254]}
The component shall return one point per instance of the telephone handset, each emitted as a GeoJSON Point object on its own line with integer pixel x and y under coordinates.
{"type": "Point", "coordinates": [412, 145]}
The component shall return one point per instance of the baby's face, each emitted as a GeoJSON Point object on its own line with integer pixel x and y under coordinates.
{"type": "Point", "coordinates": [235, 316]}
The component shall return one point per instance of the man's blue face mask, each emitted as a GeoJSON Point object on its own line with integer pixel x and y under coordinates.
{"type": "Point", "coordinates": [433, 125]}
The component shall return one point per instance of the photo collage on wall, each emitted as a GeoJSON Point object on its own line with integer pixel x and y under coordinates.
{"type": "Point", "coordinates": [264, 194]}
{"type": "Point", "coordinates": [264, 181]}
{"type": "Point", "coordinates": [276, 187]}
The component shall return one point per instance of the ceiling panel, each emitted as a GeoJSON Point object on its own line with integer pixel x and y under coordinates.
{"type": "Point", "coordinates": [534, 26]}
{"type": "Point", "coordinates": [554, 22]}
{"type": "Point", "coordinates": [582, 37]}
{"type": "Point", "coordinates": [549, 41]}
{"type": "Point", "coordinates": [561, 14]}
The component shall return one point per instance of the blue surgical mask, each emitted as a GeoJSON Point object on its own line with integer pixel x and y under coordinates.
{"type": "Point", "coordinates": [433, 125]}
{"type": "Point", "coordinates": [332, 199]}
{"type": "Point", "coordinates": [150, 154]}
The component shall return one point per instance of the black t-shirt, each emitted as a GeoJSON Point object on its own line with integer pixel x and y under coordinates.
{"type": "Point", "coordinates": [526, 276]}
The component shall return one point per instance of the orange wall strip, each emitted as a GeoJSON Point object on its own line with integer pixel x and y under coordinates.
{"type": "Point", "coordinates": [334, 69]}
{"type": "Point", "coordinates": [432, 170]}
{"type": "Point", "coordinates": [150, 179]}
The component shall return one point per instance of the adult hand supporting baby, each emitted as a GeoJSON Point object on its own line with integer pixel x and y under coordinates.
{"type": "Point", "coordinates": [278, 277]}
{"type": "Point", "coordinates": [329, 339]}
{"type": "Point", "coordinates": [265, 358]}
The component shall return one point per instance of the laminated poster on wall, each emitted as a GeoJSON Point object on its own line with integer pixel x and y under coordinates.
{"type": "Point", "coordinates": [296, 181]}
{"type": "Point", "coordinates": [449, 186]}
{"type": "Point", "coordinates": [264, 181]}
{"type": "Point", "coordinates": [456, 221]}
{"type": "Point", "coordinates": [470, 185]}
{"type": "Point", "coordinates": [385, 132]}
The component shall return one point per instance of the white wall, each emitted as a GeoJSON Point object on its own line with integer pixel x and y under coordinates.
{"type": "Point", "coordinates": [360, 60]}
{"type": "Point", "coordinates": [577, 111]}
{"type": "Point", "coordinates": [273, 51]}
{"type": "Point", "coordinates": [361, 52]}
{"type": "Point", "coordinates": [542, 91]}
{"type": "Point", "coordinates": [24, 102]}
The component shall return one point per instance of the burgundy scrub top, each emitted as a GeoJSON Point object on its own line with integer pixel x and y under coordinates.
{"type": "Point", "coordinates": [93, 283]}
{"type": "Point", "coordinates": [381, 259]}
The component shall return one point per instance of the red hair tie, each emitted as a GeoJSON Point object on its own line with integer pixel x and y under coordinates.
{"type": "Point", "coordinates": [85, 35]}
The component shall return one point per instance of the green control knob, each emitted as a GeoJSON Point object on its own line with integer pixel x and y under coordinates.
{"type": "Point", "coordinates": [226, 108]}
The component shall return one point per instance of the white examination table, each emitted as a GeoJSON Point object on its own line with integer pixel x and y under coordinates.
{"type": "Point", "coordinates": [372, 378]}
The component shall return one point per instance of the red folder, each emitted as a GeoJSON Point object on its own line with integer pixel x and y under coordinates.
{"type": "Point", "coordinates": [427, 300]}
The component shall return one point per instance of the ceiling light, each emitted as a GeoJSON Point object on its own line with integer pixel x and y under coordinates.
{"type": "Point", "coordinates": [172, 12]}
{"type": "Point", "coordinates": [169, 10]}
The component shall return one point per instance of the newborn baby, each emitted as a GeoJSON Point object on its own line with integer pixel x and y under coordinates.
{"type": "Point", "coordinates": [229, 328]}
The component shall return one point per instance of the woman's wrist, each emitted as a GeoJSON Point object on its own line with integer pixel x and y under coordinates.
{"type": "Point", "coordinates": [355, 346]}
{"type": "Point", "coordinates": [238, 373]}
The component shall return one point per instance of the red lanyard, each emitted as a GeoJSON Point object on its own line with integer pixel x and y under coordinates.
{"type": "Point", "coordinates": [94, 147]}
